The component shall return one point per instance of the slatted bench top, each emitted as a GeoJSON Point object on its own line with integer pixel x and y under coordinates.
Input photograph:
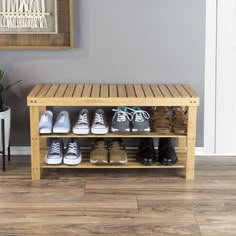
{"type": "Point", "coordinates": [112, 95]}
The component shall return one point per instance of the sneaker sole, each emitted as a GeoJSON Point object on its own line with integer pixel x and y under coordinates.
{"type": "Point", "coordinates": [61, 130]}
{"type": "Point", "coordinates": [118, 162]}
{"type": "Point", "coordinates": [68, 161]}
{"type": "Point", "coordinates": [99, 131]}
{"type": "Point", "coordinates": [137, 130]}
{"type": "Point", "coordinates": [98, 162]}
{"type": "Point", "coordinates": [118, 130]}
{"type": "Point", "coordinates": [53, 161]}
{"type": "Point", "coordinates": [81, 131]}
{"type": "Point", "coordinates": [45, 131]}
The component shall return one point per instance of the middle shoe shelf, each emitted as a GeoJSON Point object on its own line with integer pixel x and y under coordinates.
{"type": "Point", "coordinates": [115, 135]}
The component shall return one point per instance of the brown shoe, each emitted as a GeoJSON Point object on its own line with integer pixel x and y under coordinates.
{"type": "Point", "coordinates": [99, 153]}
{"type": "Point", "coordinates": [160, 120]}
{"type": "Point", "coordinates": [117, 153]}
{"type": "Point", "coordinates": [180, 120]}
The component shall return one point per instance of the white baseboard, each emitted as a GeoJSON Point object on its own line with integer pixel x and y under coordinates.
{"type": "Point", "coordinates": [20, 150]}
{"type": "Point", "coordinates": [199, 151]}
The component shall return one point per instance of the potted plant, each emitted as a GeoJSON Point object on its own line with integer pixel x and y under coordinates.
{"type": "Point", "coordinates": [5, 111]}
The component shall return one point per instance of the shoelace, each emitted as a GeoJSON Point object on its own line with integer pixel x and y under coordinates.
{"type": "Point", "coordinates": [99, 119]}
{"type": "Point", "coordinates": [83, 119]}
{"type": "Point", "coordinates": [139, 115]}
{"type": "Point", "coordinates": [55, 148]}
{"type": "Point", "coordinates": [73, 149]}
{"type": "Point", "coordinates": [121, 115]}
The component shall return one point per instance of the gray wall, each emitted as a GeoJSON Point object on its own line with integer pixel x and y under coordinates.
{"type": "Point", "coordinates": [116, 41]}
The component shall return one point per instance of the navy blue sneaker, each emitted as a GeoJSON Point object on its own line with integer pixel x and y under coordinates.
{"type": "Point", "coordinates": [72, 154]}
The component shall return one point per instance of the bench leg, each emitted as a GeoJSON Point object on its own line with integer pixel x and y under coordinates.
{"type": "Point", "coordinates": [35, 143]}
{"type": "Point", "coordinates": [182, 144]}
{"type": "Point", "coordinates": [191, 140]}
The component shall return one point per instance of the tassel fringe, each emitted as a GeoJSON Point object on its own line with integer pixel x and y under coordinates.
{"type": "Point", "coordinates": [17, 14]}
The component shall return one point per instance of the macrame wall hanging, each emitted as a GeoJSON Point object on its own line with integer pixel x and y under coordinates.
{"type": "Point", "coordinates": [28, 16]}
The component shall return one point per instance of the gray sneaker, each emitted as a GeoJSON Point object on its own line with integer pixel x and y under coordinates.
{"type": "Point", "coordinates": [120, 120]}
{"type": "Point", "coordinates": [82, 125]}
{"type": "Point", "coordinates": [99, 125]}
{"type": "Point", "coordinates": [55, 152]}
{"type": "Point", "coordinates": [73, 154]}
{"type": "Point", "coordinates": [140, 120]}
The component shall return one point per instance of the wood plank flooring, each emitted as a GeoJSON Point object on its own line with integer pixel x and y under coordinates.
{"type": "Point", "coordinates": [119, 202]}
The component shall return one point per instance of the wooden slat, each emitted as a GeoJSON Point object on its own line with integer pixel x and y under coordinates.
{"type": "Point", "coordinates": [35, 90]}
{"type": "Point", "coordinates": [113, 90]}
{"type": "Point", "coordinates": [61, 90]}
{"type": "Point", "coordinates": [104, 91]}
{"type": "Point", "coordinates": [121, 91]}
{"type": "Point", "coordinates": [182, 91]}
{"type": "Point", "coordinates": [130, 90]}
{"type": "Point", "coordinates": [87, 90]}
{"type": "Point", "coordinates": [70, 90]}
{"type": "Point", "coordinates": [78, 90]}
{"type": "Point", "coordinates": [175, 93]}
{"type": "Point", "coordinates": [139, 91]}
{"type": "Point", "coordinates": [95, 91]}
{"type": "Point", "coordinates": [147, 90]}
{"type": "Point", "coordinates": [191, 92]}
{"type": "Point", "coordinates": [156, 91]}
{"type": "Point", "coordinates": [52, 91]}
{"type": "Point", "coordinates": [43, 91]}
{"type": "Point", "coordinates": [164, 90]}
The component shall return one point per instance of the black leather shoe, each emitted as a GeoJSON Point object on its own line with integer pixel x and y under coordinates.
{"type": "Point", "coordinates": [146, 153]}
{"type": "Point", "coordinates": [166, 152]}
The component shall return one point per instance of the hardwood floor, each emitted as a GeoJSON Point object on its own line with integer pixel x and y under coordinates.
{"type": "Point", "coordinates": [119, 202]}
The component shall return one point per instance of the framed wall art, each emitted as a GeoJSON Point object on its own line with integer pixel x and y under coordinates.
{"type": "Point", "coordinates": [28, 16]}
{"type": "Point", "coordinates": [36, 24]}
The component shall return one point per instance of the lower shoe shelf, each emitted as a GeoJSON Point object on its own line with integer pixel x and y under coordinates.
{"type": "Point", "coordinates": [132, 163]}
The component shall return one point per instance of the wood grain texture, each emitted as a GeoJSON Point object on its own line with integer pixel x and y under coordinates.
{"type": "Point", "coordinates": [119, 202]}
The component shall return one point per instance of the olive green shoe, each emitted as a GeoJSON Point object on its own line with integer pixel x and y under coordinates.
{"type": "Point", "coordinates": [117, 153]}
{"type": "Point", "coordinates": [99, 153]}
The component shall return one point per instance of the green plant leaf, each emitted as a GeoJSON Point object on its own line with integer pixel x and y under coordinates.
{"type": "Point", "coordinates": [10, 85]}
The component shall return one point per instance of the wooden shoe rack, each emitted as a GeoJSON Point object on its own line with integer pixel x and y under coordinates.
{"type": "Point", "coordinates": [113, 95]}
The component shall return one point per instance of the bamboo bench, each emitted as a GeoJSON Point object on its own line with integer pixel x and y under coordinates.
{"type": "Point", "coordinates": [113, 95]}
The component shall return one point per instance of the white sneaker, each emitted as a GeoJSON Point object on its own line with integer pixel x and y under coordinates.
{"type": "Point", "coordinates": [45, 122]}
{"type": "Point", "coordinates": [73, 154]}
{"type": "Point", "coordinates": [62, 124]}
{"type": "Point", "coordinates": [82, 124]}
{"type": "Point", "coordinates": [55, 153]}
{"type": "Point", "coordinates": [99, 125]}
